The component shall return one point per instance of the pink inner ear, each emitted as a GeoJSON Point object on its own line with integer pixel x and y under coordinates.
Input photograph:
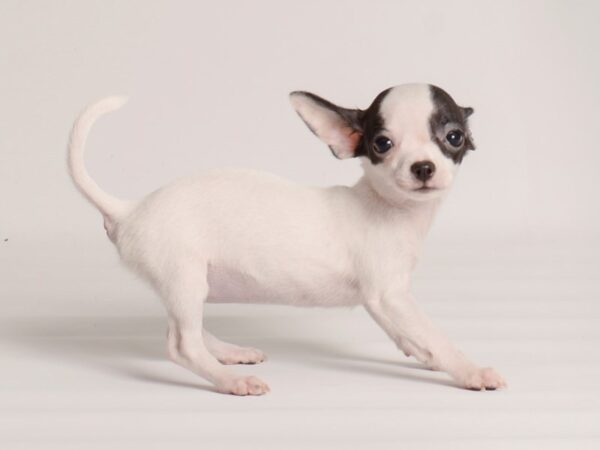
{"type": "Point", "coordinates": [342, 140]}
{"type": "Point", "coordinates": [355, 138]}
{"type": "Point", "coordinates": [352, 138]}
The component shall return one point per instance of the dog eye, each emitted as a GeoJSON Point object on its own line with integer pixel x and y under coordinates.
{"type": "Point", "coordinates": [455, 138]}
{"type": "Point", "coordinates": [383, 144]}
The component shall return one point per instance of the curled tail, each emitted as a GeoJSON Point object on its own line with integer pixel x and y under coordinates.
{"type": "Point", "coordinates": [111, 208]}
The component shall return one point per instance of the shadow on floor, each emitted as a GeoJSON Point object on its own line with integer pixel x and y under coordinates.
{"type": "Point", "coordinates": [120, 345]}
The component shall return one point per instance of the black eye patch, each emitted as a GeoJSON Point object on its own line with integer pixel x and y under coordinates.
{"type": "Point", "coordinates": [454, 142]}
{"type": "Point", "coordinates": [372, 127]}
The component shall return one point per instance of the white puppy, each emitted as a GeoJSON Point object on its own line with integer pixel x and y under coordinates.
{"type": "Point", "coordinates": [242, 236]}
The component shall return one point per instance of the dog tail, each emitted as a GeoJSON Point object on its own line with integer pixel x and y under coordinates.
{"type": "Point", "coordinates": [111, 208]}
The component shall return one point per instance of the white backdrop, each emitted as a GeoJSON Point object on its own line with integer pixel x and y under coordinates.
{"type": "Point", "coordinates": [208, 85]}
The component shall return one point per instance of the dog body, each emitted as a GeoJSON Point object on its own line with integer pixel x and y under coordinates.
{"type": "Point", "coordinates": [258, 238]}
{"type": "Point", "coordinates": [247, 237]}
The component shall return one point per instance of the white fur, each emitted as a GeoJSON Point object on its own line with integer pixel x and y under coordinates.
{"type": "Point", "coordinates": [243, 236]}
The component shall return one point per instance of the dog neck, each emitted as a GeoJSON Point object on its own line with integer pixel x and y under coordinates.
{"type": "Point", "coordinates": [418, 215]}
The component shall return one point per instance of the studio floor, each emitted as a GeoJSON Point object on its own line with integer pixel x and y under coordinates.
{"type": "Point", "coordinates": [82, 358]}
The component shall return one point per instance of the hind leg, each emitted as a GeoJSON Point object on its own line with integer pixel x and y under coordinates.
{"type": "Point", "coordinates": [228, 353]}
{"type": "Point", "coordinates": [185, 298]}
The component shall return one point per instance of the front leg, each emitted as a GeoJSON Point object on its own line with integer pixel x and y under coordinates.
{"type": "Point", "coordinates": [415, 334]}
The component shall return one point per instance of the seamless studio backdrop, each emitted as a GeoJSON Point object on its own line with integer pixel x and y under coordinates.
{"type": "Point", "coordinates": [510, 269]}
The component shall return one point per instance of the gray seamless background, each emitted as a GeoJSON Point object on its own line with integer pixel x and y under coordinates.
{"type": "Point", "coordinates": [208, 84]}
{"type": "Point", "coordinates": [510, 269]}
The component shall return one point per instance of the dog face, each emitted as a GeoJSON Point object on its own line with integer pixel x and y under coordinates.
{"type": "Point", "coordinates": [411, 139]}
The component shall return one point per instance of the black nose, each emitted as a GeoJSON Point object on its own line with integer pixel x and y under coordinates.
{"type": "Point", "coordinates": [423, 170]}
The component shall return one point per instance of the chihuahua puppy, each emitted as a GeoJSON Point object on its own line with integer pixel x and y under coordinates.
{"type": "Point", "coordinates": [243, 236]}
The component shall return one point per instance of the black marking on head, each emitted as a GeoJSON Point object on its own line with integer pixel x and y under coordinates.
{"type": "Point", "coordinates": [372, 125]}
{"type": "Point", "coordinates": [446, 112]}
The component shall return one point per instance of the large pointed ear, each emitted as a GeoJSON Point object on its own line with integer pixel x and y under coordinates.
{"type": "Point", "coordinates": [338, 127]}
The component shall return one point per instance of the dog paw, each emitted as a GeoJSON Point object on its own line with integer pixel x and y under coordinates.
{"type": "Point", "coordinates": [484, 379]}
{"type": "Point", "coordinates": [242, 355]}
{"type": "Point", "coordinates": [244, 386]}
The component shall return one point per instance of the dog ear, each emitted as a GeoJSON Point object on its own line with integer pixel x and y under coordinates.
{"type": "Point", "coordinates": [338, 127]}
{"type": "Point", "coordinates": [467, 111]}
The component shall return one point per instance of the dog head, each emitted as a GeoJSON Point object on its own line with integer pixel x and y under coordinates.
{"type": "Point", "coordinates": [411, 139]}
